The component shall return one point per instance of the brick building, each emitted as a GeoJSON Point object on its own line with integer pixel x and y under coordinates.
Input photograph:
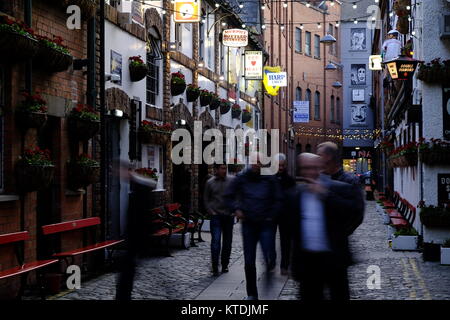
{"type": "Point", "coordinates": [293, 30]}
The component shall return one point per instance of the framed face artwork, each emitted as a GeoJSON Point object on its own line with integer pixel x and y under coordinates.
{"type": "Point", "coordinates": [358, 95]}
{"type": "Point", "coordinates": [358, 74]}
{"type": "Point", "coordinates": [358, 114]}
{"type": "Point", "coordinates": [358, 39]}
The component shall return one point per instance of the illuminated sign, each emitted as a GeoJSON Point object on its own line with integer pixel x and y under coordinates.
{"type": "Point", "coordinates": [187, 11]}
{"type": "Point", "coordinates": [272, 86]}
{"type": "Point", "coordinates": [402, 68]}
{"type": "Point", "coordinates": [253, 65]}
{"type": "Point", "coordinates": [235, 38]}
{"type": "Point", "coordinates": [375, 62]}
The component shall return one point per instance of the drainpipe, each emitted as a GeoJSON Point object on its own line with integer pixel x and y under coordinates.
{"type": "Point", "coordinates": [27, 4]}
{"type": "Point", "coordinates": [103, 135]}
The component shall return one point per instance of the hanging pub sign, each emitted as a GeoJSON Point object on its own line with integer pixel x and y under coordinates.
{"type": "Point", "coordinates": [235, 38]}
{"type": "Point", "coordinates": [402, 67]}
{"type": "Point", "coordinates": [253, 63]}
{"type": "Point", "coordinates": [446, 113]}
{"type": "Point", "coordinates": [187, 11]}
{"type": "Point", "coordinates": [375, 62]}
{"type": "Point", "coordinates": [443, 189]}
{"type": "Point", "coordinates": [273, 79]}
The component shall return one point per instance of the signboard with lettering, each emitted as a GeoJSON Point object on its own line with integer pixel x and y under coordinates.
{"type": "Point", "coordinates": [253, 65]}
{"type": "Point", "coordinates": [443, 188]}
{"type": "Point", "coordinates": [235, 38]}
{"type": "Point", "coordinates": [272, 90]}
{"type": "Point", "coordinates": [301, 111]}
{"type": "Point", "coordinates": [446, 113]}
{"type": "Point", "coordinates": [187, 11]}
{"type": "Point", "coordinates": [278, 79]}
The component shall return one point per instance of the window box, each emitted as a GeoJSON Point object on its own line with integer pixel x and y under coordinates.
{"type": "Point", "coordinates": [17, 43]}
{"type": "Point", "coordinates": [405, 243]}
{"type": "Point", "coordinates": [138, 72]}
{"type": "Point", "coordinates": [52, 56]}
{"type": "Point", "coordinates": [33, 177]}
{"type": "Point", "coordinates": [82, 175]}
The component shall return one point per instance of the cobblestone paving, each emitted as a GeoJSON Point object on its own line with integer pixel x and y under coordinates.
{"type": "Point", "coordinates": [404, 275]}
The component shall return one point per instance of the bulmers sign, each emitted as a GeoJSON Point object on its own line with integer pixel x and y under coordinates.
{"type": "Point", "coordinates": [235, 38]}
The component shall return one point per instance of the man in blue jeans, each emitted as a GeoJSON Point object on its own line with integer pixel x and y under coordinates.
{"type": "Point", "coordinates": [221, 219]}
{"type": "Point", "coordinates": [256, 200]}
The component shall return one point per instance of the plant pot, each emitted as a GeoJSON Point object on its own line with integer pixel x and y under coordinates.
{"type": "Point", "coordinates": [215, 103]}
{"type": "Point", "coordinates": [435, 221]}
{"type": "Point", "coordinates": [205, 100]}
{"type": "Point", "coordinates": [191, 95]}
{"type": "Point", "coordinates": [445, 256]}
{"type": "Point", "coordinates": [137, 73]}
{"type": "Point", "coordinates": [405, 243]}
{"type": "Point", "coordinates": [51, 60]}
{"type": "Point", "coordinates": [246, 117]}
{"type": "Point", "coordinates": [27, 120]}
{"type": "Point", "coordinates": [179, 240]}
{"type": "Point", "coordinates": [82, 130]}
{"type": "Point", "coordinates": [224, 108]}
{"type": "Point", "coordinates": [153, 137]}
{"type": "Point", "coordinates": [15, 47]}
{"type": "Point", "coordinates": [82, 176]}
{"type": "Point", "coordinates": [33, 177]}
{"type": "Point", "coordinates": [177, 88]}
{"type": "Point", "coordinates": [236, 114]}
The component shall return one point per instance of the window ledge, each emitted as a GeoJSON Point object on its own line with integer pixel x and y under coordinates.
{"type": "Point", "coordinates": [159, 190]}
{"type": "Point", "coordinates": [8, 197]}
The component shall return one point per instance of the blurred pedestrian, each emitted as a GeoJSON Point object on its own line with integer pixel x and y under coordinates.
{"type": "Point", "coordinates": [140, 202]}
{"type": "Point", "coordinates": [320, 209]}
{"type": "Point", "coordinates": [256, 200]}
{"type": "Point", "coordinates": [222, 220]}
{"type": "Point", "coordinates": [286, 182]}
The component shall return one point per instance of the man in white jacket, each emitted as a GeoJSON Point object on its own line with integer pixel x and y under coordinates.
{"type": "Point", "coordinates": [392, 47]}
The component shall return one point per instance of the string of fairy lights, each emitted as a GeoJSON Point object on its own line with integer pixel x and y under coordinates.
{"type": "Point", "coordinates": [336, 133]}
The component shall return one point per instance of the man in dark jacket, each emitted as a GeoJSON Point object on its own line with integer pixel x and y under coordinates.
{"type": "Point", "coordinates": [256, 200]}
{"type": "Point", "coordinates": [321, 211]}
{"type": "Point", "coordinates": [286, 183]}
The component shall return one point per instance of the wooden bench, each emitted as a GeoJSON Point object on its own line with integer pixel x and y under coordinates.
{"type": "Point", "coordinates": [183, 223]}
{"type": "Point", "coordinates": [160, 227]}
{"type": "Point", "coordinates": [23, 269]}
{"type": "Point", "coordinates": [404, 213]}
{"type": "Point", "coordinates": [67, 226]}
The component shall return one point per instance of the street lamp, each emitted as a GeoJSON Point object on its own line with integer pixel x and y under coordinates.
{"type": "Point", "coordinates": [328, 39]}
{"type": "Point", "coordinates": [337, 85]}
{"type": "Point", "coordinates": [330, 67]}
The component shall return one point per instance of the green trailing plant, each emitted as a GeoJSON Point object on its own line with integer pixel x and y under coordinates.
{"type": "Point", "coordinates": [86, 160]}
{"type": "Point", "coordinates": [37, 157]}
{"type": "Point", "coordinates": [8, 25]}
{"type": "Point", "coordinates": [32, 103]}
{"type": "Point", "coordinates": [406, 232]}
{"type": "Point", "coordinates": [56, 43]}
{"type": "Point", "coordinates": [85, 112]}
{"type": "Point", "coordinates": [435, 216]}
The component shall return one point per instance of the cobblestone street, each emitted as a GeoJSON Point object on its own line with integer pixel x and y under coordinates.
{"type": "Point", "coordinates": [186, 275]}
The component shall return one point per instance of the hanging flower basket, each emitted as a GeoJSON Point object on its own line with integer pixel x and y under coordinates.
{"type": "Point", "coordinates": [32, 112]}
{"type": "Point", "coordinates": [152, 133]}
{"type": "Point", "coordinates": [83, 123]}
{"type": "Point", "coordinates": [177, 84]}
{"type": "Point", "coordinates": [17, 41]}
{"type": "Point", "coordinates": [192, 93]}
{"type": "Point", "coordinates": [246, 116]}
{"type": "Point", "coordinates": [236, 111]}
{"type": "Point", "coordinates": [205, 97]}
{"type": "Point", "coordinates": [52, 55]}
{"type": "Point", "coordinates": [411, 159]}
{"type": "Point", "coordinates": [434, 152]}
{"type": "Point", "coordinates": [225, 106]}
{"type": "Point", "coordinates": [34, 171]}
{"type": "Point", "coordinates": [434, 71]}
{"type": "Point", "coordinates": [435, 217]}
{"type": "Point", "coordinates": [138, 69]}
{"type": "Point", "coordinates": [214, 104]}
{"type": "Point", "coordinates": [83, 172]}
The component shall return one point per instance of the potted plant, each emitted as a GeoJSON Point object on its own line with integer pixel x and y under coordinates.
{"type": "Point", "coordinates": [32, 112]}
{"type": "Point", "coordinates": [215, 102]}
{"type": "Point", "coordinates": [434, 152]}
{"type": "Point", "coordinates": [192, 93]}
{"type": "Point", "coordinates": [17, 41]}
{"type": "Point", "coordinates": [34, 170]}
{"type": "Point", "coordinates": [236, 111]}
{"type": "Point", "coordinates": [83, 171]}
{"type": "Point", "coordinates": [177, 83]}
{"type": "Point", "coordinates": [52, 55]}
{"type": "Point", "coordinates": [150, 174]}
{"type": "Point", "coordinates": [225, 106]}
{"type": "Point", "coordinates": [445, 252]}
{"type": "Point", "coordinates": [138, 68]}
{"type": "Point", "coordinates": [405, 239]}
{"type": "Point", "coordinates": [435, 217]}
{"type": "Point", "coordinates": [205, 97]}
{"type": "Point", "coordinates": [151, 132]}
{"type": "Point", "coordinates": [83, 122]}
{"type": "Point", "coordinates": [246, 116]}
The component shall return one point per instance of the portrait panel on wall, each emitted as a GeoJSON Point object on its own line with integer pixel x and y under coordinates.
{"type": "Point", "coordinates": [358, 74]}
{"type": "Point", "coordinates": [116, 65]}
{"type": "Point", "coordinates": [358, 39]}
{"type": "Point", "coordinates": [358, 114]}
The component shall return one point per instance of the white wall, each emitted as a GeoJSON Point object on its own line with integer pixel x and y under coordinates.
{"type": "Point", "coordinates": [206, 84]}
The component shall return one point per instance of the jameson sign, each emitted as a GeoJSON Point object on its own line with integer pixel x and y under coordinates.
{"type": "Point", "coordinates": [278, 79]}
{"type": "Point", "coordinates": [235, 38]}
{"type": "Point", "coordinates": [253, 65]}
{"type": "Point", "coordinates": [443, 189]}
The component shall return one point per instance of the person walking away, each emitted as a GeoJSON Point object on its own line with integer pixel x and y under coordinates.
{"type": "Point", "coordinates": [222, 220]}
{"type": "Point", "coordinates": [256, 200]}
{"type": "Point", "coordinates": [286, 182]}
{"type": "Point", "coordinates": [319, 211]}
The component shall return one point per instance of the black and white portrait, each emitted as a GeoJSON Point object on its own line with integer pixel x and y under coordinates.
{"type": "Point", "coordinates": [358, 39]}
{"type": "Point", "coordinates": [358, 74]}
{"type": "Point", "coordinates": [359, 113]}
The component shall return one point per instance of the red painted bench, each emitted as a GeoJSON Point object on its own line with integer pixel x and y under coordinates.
{"type": "Point", "coordinates": [67, 226]}
{"type": "Point", "coordinates": [160, 227]}
{"type": "Point", "coordinates": [194, 220]}
{"type": "Point", "coordinates": [23, 269]}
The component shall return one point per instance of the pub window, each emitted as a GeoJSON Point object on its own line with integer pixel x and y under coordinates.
{"type": "Point", "coordinates": [308, 43]}
{"type": "Point", "coordinates": [154, 57]}
{"type": "Point", "coordinates": [338, 110]}
{"type": "Point", "coordinates": [298, 40]}
{"type": "Point", "coordinates": [317, 106]}
{"type": "Point", "coordinates": [298, 94]}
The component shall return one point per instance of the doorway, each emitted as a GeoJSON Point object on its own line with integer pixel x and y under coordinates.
{"type": "Point", "coordinates": [113, 178]}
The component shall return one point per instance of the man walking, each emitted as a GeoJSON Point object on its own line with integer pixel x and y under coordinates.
{"type": "Point", "coordinates": [256, 200]}
{"type": "Point", "coordinates": [286, 182]}
{"type": "Point", "coordinates": [320, 211]}
{"type": "Point", "coordinates": [221, 218]}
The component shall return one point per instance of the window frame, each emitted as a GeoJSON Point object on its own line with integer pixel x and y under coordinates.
{"type": "Point", "coordinates": [338, 109]}
{"type": "Point", "coordinates": [308, 44]}
{"type": "Point", "coordinates": [317, 105]}
{"type": "Point", "coordinates": [308, 98]}
{"type": "Point", "coordinates": [153, 63]}
{"type": "Point", "coordinates": [298, 94]}
{"type": "Point", "coordinates": [298, 40]}
{"type": "Point", "coordinates": [332, 109]}
{"type": "Point", "coordinates": [316, 46]}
